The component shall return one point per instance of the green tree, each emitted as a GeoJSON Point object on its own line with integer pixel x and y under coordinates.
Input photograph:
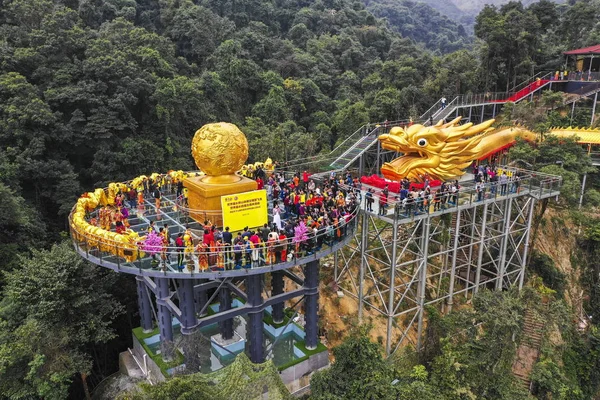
{"type": "Point", "coordinates": [20, 228]}
{"type": "Point", "coordinates": [359, 372]}
{"type": "Point", "coordinates": [54, 308]}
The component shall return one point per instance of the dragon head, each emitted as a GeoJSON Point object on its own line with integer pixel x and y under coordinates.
{"type": "Point", "coordinates": [439, 152]}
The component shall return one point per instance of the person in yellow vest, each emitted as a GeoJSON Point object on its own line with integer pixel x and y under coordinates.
{"type": "Point", "coordinates": [202, 250]}
{"type": "Point", "coordinates": [185, 196]}
{"type": "Point", "coordinates": [273, 237]}
{"type": "Point", "coordinates": [188, 241]}
{"type": "Point", "coordinates": [220, 247]}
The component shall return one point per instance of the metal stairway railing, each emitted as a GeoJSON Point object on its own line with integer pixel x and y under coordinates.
{"type": "Point", "coordinates": [361, 145]}
{"type": "Point", "coordinates": [583, 92]}
{"type": "Point", "coordinates": [340, 149]}
{"type": "Point", "coordinates": [435, 113]}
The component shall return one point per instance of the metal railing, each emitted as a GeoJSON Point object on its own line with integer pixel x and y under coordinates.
{"type": "Point", "coordinates": [348, 142]}
{"type": "Point", "coordinates": [586, 76]}
{"type": "Point", "coordinates": [541, 74]}
{"type": "Point", "coordinates": [532, 183]}
{"type": "Point", "coordinates": [192, 259]}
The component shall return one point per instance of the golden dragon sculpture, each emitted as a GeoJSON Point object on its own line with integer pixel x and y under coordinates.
{"type": "Point", "coordinates": [444, 150]}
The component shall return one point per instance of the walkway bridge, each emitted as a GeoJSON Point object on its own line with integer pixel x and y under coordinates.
{"type": "Point", "coordinates": [362, 146]}
{"type": "Point", "coordinates": [403, 260]}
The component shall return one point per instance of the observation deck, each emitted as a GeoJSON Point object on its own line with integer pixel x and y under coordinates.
{"type": "Point", "coordinates": [200, 288]}
{"type": "Point", "coordinates": [134, 260]}
{"type": "Point", "coordinates": [530, 183]}
{"type": "Point", "coordinates": [490, 219]}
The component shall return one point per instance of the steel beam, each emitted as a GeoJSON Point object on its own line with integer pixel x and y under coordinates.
{"type": "Point", "coordinates": [187, 305]}
{"type": "Point", "coordinates": [144, 305]}
{"type": "Point", "coordinates": [165, 323]}
{"type": "Point", "coordinates": [481, 247]}
{"type": "Point", "coordinates": [311, 303]}
{"type": "Point", "coordinates": [363, 261]}
{"type": "Point", "coordinates": [255, 328]}
{"type": "Point", "coordinates": [453, 270]}
{"type": "Point", "coordinates": [225, 326]}
{"type": "Point", "coordinates": [526, 247]}
{"type": "Point", "coordinates": [423, 280]}
{"type": "Point", "coordinates": [200, 296]}
{"type": "Point", "coordinates": [504, 243]}
{"type": "Point", "coordinates": [276, 289]}
{"type": "Point", "coordinates": [390, 310]}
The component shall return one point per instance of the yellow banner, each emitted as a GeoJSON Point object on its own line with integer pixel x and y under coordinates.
{"type": "Point", "coordinates": [244, 209]}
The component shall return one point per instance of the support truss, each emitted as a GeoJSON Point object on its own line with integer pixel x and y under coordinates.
{"type": "Point", "coordinates": [398, 267]}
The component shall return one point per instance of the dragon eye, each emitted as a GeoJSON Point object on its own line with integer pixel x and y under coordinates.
{"type": "Point", "coordinates": [422, 142]}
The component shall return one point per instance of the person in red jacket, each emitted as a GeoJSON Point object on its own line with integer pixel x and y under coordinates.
{"type": "Point", "coordinates": [305, 179]}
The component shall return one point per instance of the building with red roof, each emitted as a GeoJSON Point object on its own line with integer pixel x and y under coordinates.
{"type": "Point", "coordinates": [586, 60]}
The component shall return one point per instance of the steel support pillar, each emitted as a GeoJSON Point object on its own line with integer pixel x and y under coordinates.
{"type": "Point", "coordinates": [470, 264]}
{"type": "Point", "coordinates": [378, 159]}
{"type": "Point", "coordinates": [144, 305]}
{"type": "Point", "coordinates": [311, 304]}
{"type": "Point", "coordinates": [470, 112]}
{"type": "Point", "coordinates": [504, 244]}
{"type": "Point", "coordinates": [226, 326]}
{"type": "Point", "coordinates": [335, 264]}
{"type": "Point", "coordinates": [255, 323]}
{"type": "Point", "coordinates": [361, 165]}
{"type": "Point", "coordinates": [494, 111]}
{"type": "Point", "coordinates": [200, 296]}
{"type": "Point", "coordinates": [363, 259]}
{"type": "Point", "coordinates": [582, 191]}
{"type": "Point", "coordinates": [482, 112]}
{"type": "Point", "coordinates": [481, 247]}
{"type": "Point", "coordinates": [594, 108]}
{"type": "Point", "coordinates": [165, 323]}
{"type": "Point", "coordinates": [277, 288]}
{"type": "Point", "coordinates": [453, 270]}
{"type": "Point", "coordinates": [526, 247]}
{"type": "Point", "coordinates": [388, 343]}
{"type": "Point", "coordinates": [423, 279]}
{"type": "Point", "coordinates": [187, 305]}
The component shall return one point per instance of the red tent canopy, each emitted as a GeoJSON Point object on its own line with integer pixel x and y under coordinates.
{"type": "Point", "coordinates": [585, 51]}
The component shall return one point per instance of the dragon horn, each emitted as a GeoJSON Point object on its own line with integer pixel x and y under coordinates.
{"type": "Point", "coordinates": [479, 127]}
{"type": "Point", "coordinates": [451, 123]}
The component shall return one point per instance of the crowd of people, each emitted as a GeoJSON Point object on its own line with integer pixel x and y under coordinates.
{"type": "Point", "coordinates": [306, 214]}
{"type": "Point", "coordinates": [420, 197]}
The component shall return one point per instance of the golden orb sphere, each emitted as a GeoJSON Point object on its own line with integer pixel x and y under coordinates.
{"type": "Point", "coordinates": [219, 149]}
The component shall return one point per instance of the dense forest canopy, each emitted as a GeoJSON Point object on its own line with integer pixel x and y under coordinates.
{"type": "Point", "coordinates": [421, 23]}
{"type": "Point", "coordinates": [94, 91]}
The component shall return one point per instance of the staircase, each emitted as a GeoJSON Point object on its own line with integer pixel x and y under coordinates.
{"type": "Point", "coordinates": [529, 349]}
{"type": "Point", "coordinates": [527, 90]}
{"type": "Point", "coordinates": [583, 92]}
{"type": "Point", "coordinates": [435, 113]}
{"type": "Point", "coordinates": [355, 151]}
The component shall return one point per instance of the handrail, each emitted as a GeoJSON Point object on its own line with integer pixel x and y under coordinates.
{"type": "Point", "coordinates": [364, 138]}
{"type": "Point", "coordinates": [213, 258]}
{"type": "Point", "coordinates": [530, 80]}
{"type": "Point", "coordinates": [302, 161]}
{"type": "Point", "coordinates": [583, 92]}
{"type": "Point", "coordinates": [538, 184]}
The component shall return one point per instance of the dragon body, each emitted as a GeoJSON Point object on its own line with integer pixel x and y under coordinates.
{"type": "Point", "coordinates": [443, 151]}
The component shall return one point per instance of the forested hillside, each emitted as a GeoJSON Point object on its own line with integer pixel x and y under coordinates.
{"type": "Point", "coordinates": [99, 91]}
{"type": "Point", "coordinates": [94, 91]}
{"type": "Point", "coordinates": [422, 23]}
{"type": "Point", "coordinates": [465, 11]}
